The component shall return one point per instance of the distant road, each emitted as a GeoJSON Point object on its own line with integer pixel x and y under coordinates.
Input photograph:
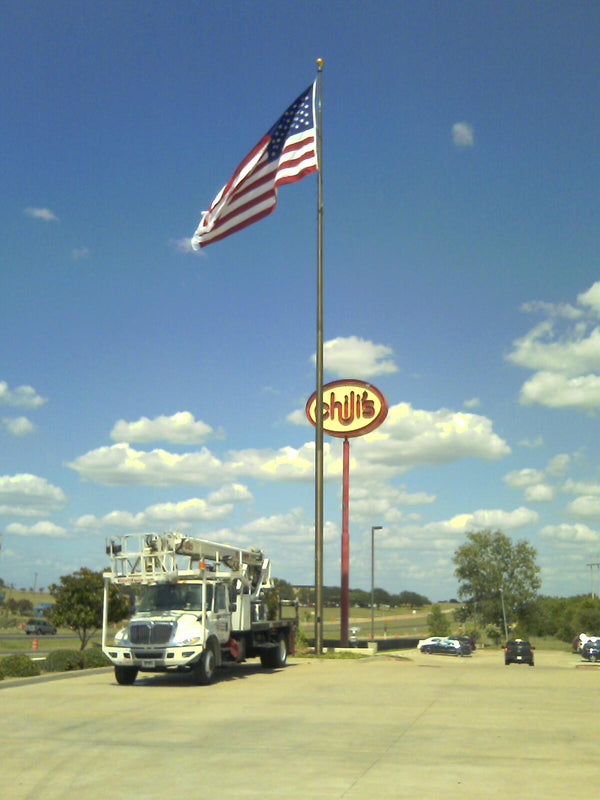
{"type": "Point", "coordinates": [28, 637]}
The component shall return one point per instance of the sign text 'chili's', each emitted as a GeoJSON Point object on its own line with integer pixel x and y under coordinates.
{"type": "Point", "coordinates": [350, 408]}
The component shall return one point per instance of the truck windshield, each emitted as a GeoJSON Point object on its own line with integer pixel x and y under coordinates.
{"type": "Point", "coordinates": [175, 597]}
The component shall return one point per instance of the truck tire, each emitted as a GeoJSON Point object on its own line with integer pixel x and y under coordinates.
{"type": "Point", "coordinates": [204, 669]}
{"type": "Point", "coordinates": [275, 657]}
{"type": "Point", "coordinates": [126, 675]}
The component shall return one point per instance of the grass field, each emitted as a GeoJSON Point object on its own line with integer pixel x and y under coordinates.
{"type": "Point", "coordinates": [18, 594]}
{"type": "Point", "coordinates": [393, 622]}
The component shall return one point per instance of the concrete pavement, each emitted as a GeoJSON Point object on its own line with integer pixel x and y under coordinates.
{"type": "Point", "coordinates": [381, 727]}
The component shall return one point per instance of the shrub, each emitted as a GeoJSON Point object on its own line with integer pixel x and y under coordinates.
{"type": "Point", "coordinates": [494, 633]}
{"type": "Point", "coordinates": [25, 607]}
{"type": "Point", "coordinates": [95, 658]}
{"type": "Point", "coordinates": [18, 666]}
{"type": "Point", "coordinates": [63, 661]}
{"type": "Point", "coordinates": [301, 639]}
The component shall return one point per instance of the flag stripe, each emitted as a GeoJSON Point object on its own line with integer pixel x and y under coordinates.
{"type": "Point", "coordinates": [284, 155]}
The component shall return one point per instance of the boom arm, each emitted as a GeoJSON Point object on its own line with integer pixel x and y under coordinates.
{"type": "Point", "coordinates": [154, 558]}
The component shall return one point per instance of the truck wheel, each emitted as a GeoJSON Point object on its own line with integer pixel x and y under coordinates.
{"type": "Point", "coordinates": [204, 669]}
{"type": "Point", "coordinates": [275, 657]}
{"type": "Point", "coordinates": [126, 675]}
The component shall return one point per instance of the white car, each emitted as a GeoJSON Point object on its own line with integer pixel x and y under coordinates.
{"type": "Point", "coordinates": [430, 640]}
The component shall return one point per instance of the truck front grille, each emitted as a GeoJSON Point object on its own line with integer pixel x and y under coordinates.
{"type": "Point", "coordinates": [150, 632]}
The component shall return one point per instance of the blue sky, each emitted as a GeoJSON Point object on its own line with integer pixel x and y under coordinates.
{"type": "Point", "coordinates": [144, 387]}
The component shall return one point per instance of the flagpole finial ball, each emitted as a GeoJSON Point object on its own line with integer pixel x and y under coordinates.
{"type": "Point", "coordinates": [319, 62]}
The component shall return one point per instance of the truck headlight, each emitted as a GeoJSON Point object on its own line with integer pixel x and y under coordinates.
{"type": "Point", "coordinates": [121, 636]}
{"type": "Point", "coordinates": [184, 641]}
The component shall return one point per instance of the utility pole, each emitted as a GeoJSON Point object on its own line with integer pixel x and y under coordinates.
{"type": "Point", "coordinates": [373, 529]}
{"type": "Point", "coordinates": [591, 565]}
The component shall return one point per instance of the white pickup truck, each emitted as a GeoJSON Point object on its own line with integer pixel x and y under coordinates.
{"type": "Point", "coordinates": [202, 605]}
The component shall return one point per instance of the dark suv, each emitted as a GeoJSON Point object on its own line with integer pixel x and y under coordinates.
{"type": "Point", "coordinates": [39, 627]}
{"type": "Point", "coordinates": [591, 651]}
{"type": "Point", "coordinates": [518, 651]}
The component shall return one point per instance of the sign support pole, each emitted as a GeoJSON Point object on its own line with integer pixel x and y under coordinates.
{"type": "Point", "coordinates": [345, 582]}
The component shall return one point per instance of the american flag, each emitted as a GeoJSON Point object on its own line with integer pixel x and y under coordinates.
{"type": "Point", "coordinates": [286, 153]}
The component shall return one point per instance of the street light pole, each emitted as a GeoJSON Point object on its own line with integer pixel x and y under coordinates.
{"type": "Point", "coordinates": [504, 613]}
{"type": "Point", "coordinates": [373, 529]}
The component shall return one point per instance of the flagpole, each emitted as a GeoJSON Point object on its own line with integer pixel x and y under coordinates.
{"type": "Point", "coordinates": [319, 407]}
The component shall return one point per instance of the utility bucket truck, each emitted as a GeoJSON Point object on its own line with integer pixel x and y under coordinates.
{"type": "Point", "coordinates": [202, 605]}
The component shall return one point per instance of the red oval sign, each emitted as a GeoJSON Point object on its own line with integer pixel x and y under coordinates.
{"type": "Point", "coordinates": [350, 408]}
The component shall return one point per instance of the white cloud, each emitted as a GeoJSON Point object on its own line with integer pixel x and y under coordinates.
{"type": "Point", "coordinates": [216, 506]}
{"type": "Point", "coordinates": [42, 528]}
{"type": "Point", "coordinates": [180, 428]}
{"type": "Point", "coordinates": [533, 443]}
{"type": "Point", "coordinates": [495, 519]}
{"type": "Point", "coordinates": [462, 134]}
{"type": "Point", "coordinates": [569, 533]}
{"type": "Point", "coordinates": [474, 402]}
{"type": "Point", "coordinates": [121, 465]}
{"type": "Point", "coordinates": [540, 493]}
{"type": "Point", "coordinates": [407, 438]}
{"type": "Point", "coordinates": [383, 502]}
{"type": "Point", "coordinates": [591, 297]}
{"type": "Point", "coordinates": [79, 252]}
{"type": "Point", "coordinates": [556, 390]}
{"type": "Point", "coordinates": [19, 426]}
{"type": "Point", "coordinates": [447, 533]}
{"type": "Point", "coordinates": [298, 417]}
{"type": "Point", "coordinates": [558, 465]}
{"type": "Point", "coordinates": [566, 363]}
{"type": "Point", "coordinates": [231, 493]}
{"type": "Point", "coordinates": [522, 478]}
{"type": "Point", "coordinates": [410, 437]}
{"type": "Point", "coordinates": [352, 357]}
{"type": "Point", "coordinates": [292, 527]}
{"type": "Point", "coordinates": [564, 310]}
{"type": "Point", "coordinates": [573, 353]}
{"type": "Point", "coordinates": [579, 487]}
{"type": "Point", "coordinates": [41, 213]}
{"type": "Point", "coordinates": [585, 506]}
{"type": "Point", "coordinates": [26, 495]}
{"type": "Point", "coordinates": [20, 396]}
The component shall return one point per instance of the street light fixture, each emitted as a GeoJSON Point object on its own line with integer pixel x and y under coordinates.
{"type": "Point", "coordinates": [373, 529]}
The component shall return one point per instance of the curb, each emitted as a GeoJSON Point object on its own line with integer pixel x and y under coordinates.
{"type": "Point", "coordinates": [7, 683]}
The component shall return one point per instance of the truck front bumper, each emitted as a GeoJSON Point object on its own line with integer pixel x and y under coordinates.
{"type": "Point", "coordinates": [153, 659]}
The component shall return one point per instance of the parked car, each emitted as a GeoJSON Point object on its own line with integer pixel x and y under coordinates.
{"type": "Point", "coordinates": [446, 647]}
{"type": "Point", "coordinates": [39, 627]}
{"type": "Point", "coordinates": [468, 640]}
{"type": "Point", "coordinates": [431, 640]}
{"type": "Point", "coordinates": [591, 650]}
{"type": "Point", "coordinates": [518, 651]}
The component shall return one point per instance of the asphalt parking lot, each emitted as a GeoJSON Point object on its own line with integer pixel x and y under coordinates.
{"type": "Point", "coordinates": [413, 726]}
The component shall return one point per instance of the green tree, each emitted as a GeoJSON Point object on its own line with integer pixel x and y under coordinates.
{"type": "Point", "coordinates": [78, 603]}
{"type": "Point", "coordinates": [286, 591]}
{"type": "Point", "coordinates": [492, 569]}
{"type": "Point", "coordinates": [24, 606]}
{"type": "Point", "coordinates": [412, 599]}
{"type": "Point", "coordinates": [438, 622]}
